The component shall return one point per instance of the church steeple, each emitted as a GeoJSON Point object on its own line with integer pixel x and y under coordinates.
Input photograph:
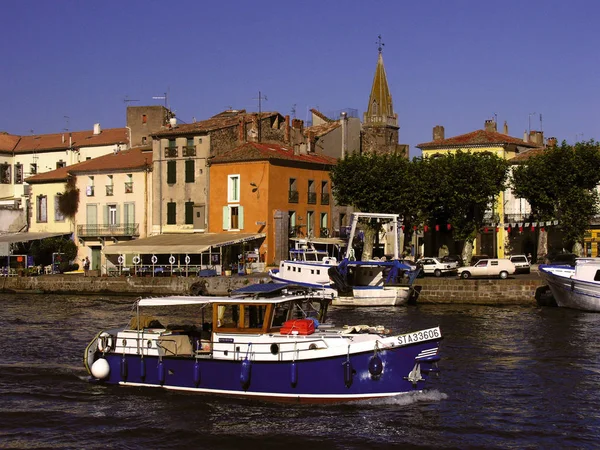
{"type": "Point", "coordinates": [381, 108]}
{"type": "Point", "coordinates": [380, 122]}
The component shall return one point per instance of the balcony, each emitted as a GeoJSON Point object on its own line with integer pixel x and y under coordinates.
{"type": "Point", "coordinates": [110, 190]}
{"type": "Point", "coordinates": [129, 187]}
{"type": "Point", "coordinates": [123, 230]}
{"type": "Point", "coordinates": [171, 152]}
{"type": "Point", "coordinates": [89, 191]}
{"type": "Point", "coordinates": [325, 198]}
{"type": "Point", "coordinates": [312, 198]}
{"type": "Point", "coordinates": [293, 196]}
{"type": "Point", "coordinates": [189, 150]}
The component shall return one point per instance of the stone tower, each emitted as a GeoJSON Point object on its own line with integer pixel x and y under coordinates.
{"type": "Point", "coordinates": [380, 122]}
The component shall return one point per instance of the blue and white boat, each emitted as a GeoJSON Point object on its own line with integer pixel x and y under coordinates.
{"type": "Point", "coordinates": [577, 286]}
{"type": "Point", "coordinates": [377, 282]}
{"type": "Point", "coordinates": [270, 342]}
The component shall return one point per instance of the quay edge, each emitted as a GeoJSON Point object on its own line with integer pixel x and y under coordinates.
{"type": "Point", "coordinates": [513, 291]}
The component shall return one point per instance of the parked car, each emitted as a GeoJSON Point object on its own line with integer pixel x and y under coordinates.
{"type": "Point", "coordinates": [491, 267]}
{"type": "Point", "coordinates": [453, 258]}
{"type": "Point", "coordinates": [435, 266]}
{"type": "Point", "coordinates": [522, 264]}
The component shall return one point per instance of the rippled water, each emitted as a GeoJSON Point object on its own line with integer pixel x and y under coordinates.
{"type": "Point", "coordinates": [512, 378]}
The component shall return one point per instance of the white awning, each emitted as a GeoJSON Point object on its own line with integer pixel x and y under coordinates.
{"type": "Point", "coordinates": [12, 238]}
{"type": "Point", "coordinates": [181, 243]}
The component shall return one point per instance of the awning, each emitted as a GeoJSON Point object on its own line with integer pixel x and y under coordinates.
{"type": "Point", "coordinates": [11, 238]}
{"type": "Point", "coordinates": [180, 243]}
{"type": "Point", "coordinates": [327, 241]}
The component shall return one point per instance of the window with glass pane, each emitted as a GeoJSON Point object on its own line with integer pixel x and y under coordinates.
{"type": "Point", "coordinates": [234, 214]}
{"type": "Point", "coordinates": [233, 192]}
{"type": "Point", "coordinates": [58, 215]}
{"type": "Point", "coordinates": [42, 208]}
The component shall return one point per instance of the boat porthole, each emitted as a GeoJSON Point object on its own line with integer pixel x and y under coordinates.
{"type": "Point", "coordinates": [274, 348]}
{"type": "Point", "coordinates": [313, 347]}
{"type": "Point", "coordinates": [149, 344]}
{"type": "Point", "coordinates": [124, 342]}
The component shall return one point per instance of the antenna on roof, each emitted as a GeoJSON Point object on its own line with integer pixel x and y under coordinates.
{"type": "Point", "coordinates": [128, 100]}
{"type": "Point", "coordinates": [294, 111]}
{"type": "Point", "coordinates": [67, 121]}
{"type": "Point", "coordinates": [260, 98]}
{"type": "Point", "coordinates": [164, 97]}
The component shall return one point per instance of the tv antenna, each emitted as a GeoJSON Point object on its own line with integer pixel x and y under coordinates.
{"type": "Point", "coordinates": [67, 122]}
{"type": "Point", "coordinates": [128, 100]}
{"type": "Point", "coordinates": [293, 111]}
{"type": "Point", "coordinates": [164, 97]}
{"type": "Point", "coordinates": [260, 99]}
{"type": "Point", "coordinates": [531, 114]}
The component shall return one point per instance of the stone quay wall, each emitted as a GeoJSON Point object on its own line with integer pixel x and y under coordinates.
{"type": "Point", "coordinates": [433, 290]}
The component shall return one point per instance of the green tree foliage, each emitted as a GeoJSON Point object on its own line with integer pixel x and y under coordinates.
{"type": "Point", "coordinates": [43, 249]}
{"type": "Point", "coordinates": [560, 183]}
{"type": "Point", "coordinates": [461, 188]}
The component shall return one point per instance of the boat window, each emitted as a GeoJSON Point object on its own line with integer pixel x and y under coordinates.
{"type": "Point", "coordinates": [254, 315]}
{"type": "Point", "coordinates": [310, 256]}
{"type": "Point", "coordinates": [288, 268]}
{"type": "Point", "coordinates": [318, 272]}
{"type": "Point", "coordinates": [597, 276]}
{"type": "Point", "coordinates": [228, 316]}
{"type": "Point", "coordinates": [312, 272]}
{"type": "Point", "coordinates": [280, 314]}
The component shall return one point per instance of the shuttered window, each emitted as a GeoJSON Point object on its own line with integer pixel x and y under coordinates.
{"type": "Point", "coordinates": [171, 172]}
{"type": "Point", "coordinates": [171, 213]}
{"type": "Point", "coordinates": [189, 170]}
{"type": "Point", "coordinates": [189, 213]}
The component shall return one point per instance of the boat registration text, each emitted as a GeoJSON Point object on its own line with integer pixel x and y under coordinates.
{"type": "Point", "coordinates": [418, 336]}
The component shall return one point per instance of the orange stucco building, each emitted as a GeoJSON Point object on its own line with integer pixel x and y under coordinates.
{"type": "Point", "coordinates": [249, 183]}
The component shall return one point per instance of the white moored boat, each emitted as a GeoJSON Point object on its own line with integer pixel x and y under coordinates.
{"type": "Point", "coordinates": [377, 282]}
{"type": "Point", "coordinates": [576, 287]}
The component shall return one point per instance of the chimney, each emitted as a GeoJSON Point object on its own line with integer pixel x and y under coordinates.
{"type": "Point", "coordinates": [438, 133]}
{"type": "Point", "coordinates": [525, 136]}
{"type": "Point", "coordinates": [505, 128]}
{"type": "Point", "coordinates": [254, 130]}
{"type": "Point", "coordinates": [241, 134]}
{"type": "Point", "coordinates": [537, 137]}
{"type": "Point", "coordinates": [63, 138]}
{"type": "Point", "coordinates": [97, 129]}
{"type": "Point", "coordinates": [551, 142]}
{"type": "Point", "coordinates": [490, 125]}
{"type": "Point", "coordinates": [286, 130]}
{"type": "Point", "coordinates": [344, 120]}
{"type": "Point", "coordinates": [311, 142]}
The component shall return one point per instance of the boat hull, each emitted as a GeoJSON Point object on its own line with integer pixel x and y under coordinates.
{"type": "Point", "coordinates": [383, 296]}
{"type": "Point", "coordinates": [569, 292]}
{"type": "Point", "coordinates": [321, 380]}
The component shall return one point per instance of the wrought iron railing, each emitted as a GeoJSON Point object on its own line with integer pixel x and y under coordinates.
{"type": "Point", "coordinates": [129, 187]}
{"type": "Point", "coordinates": [171, 152]}
{"type": "Point", "coordinates": [123, 229]}
{"type": "Point", "coordinates": [110, 189]}
{"type": "Point", "coordinates": [312, 198]}
{"type": "Point", "coordinates": [293, 196]}
{"type": "Point", "coordinates": [189, 150]}
{"type": "Point", "coordinates": [325, 198]}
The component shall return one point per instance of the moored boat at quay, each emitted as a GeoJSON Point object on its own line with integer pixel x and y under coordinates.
{"type": "Point", "coordinates": [577, 286]}
{"type": "Point", "coordinates": [267, 341]}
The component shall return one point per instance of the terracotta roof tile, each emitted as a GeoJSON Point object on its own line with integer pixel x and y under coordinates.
{"type": "Point", "coordinates": [221, 120]}
{"type": "Point", "coordinates": [121, 161]}
{"type": "Point", "coordinates": [254, 151]}
{"type": "Point", "coordinates": [524, 156]}
{"type": "Point", "coordinates": [320, 130]}
{"type": "Point", "coordinates": [8, 141]}
{"type": "Point", "coordinates": [478, 137]}
{"type": "Point", "coordinates": [79, 139]}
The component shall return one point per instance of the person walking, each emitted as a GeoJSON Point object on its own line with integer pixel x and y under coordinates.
{"type": "Point", "coordinates": [86, 266]}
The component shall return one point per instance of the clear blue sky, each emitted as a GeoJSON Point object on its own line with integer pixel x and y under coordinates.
{"type": "Point", "coordinates": [452, 63]}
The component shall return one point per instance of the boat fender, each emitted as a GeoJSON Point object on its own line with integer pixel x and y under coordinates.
{"type": "Point", "coordinates": [100, 369]}
{"type": "Point", "coordinates": [375, 366]}
{"type": "Point", "coordinates": [294, 374]}
{"type": "Point", "coordinates": [123, 368]}
{"type": "Point", "coordinates": [196, 373]}
{"type": "Point", "coordinates": [161, 372]}
{"type": "Point", "coordinates": [246, 370]}
{"type": "Point", "coordinates": [105, 342]}
{"type": "Point", "coordinates": [142, 368]}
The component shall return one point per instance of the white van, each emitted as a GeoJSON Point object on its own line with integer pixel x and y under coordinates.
{"type": "Point", "coordinates": [522, 264]}
{"type": "Point", "coordinates": [490, 267]}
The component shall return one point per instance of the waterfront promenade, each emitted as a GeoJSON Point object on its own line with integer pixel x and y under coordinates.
{"type": "Point", "coordinates": [516, 290]}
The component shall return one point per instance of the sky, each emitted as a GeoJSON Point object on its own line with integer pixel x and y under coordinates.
{"type": "Point", "coordinates": [68, 64]}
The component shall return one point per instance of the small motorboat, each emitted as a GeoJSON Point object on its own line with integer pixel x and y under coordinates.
{"type": "Point", "coordinates": [577, 286]}
{"type": "Point", "coordinates": [269, 341]}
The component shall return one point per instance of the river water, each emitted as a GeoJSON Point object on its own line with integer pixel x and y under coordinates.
{"type": "Point", "coordinates": [511, 378]}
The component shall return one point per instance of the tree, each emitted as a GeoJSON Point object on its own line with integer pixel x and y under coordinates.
{"type": "Point", "coordinates": [459, 189]}
{"type": "Point", "coordinates": [560, 183]}
{"type": "Point", "coordinates": [68, 202]}
{"type": "Point", "coordinates": [375, 182]}
{"type": "Point", "coordinates": [42, 250]}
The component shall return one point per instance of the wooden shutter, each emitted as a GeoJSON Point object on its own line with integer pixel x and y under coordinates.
{"type": "Point", "coordinates": [226, 217]}
{"type": "Point", "coordinates": [240, 217]}
{"type": "Point", "coordinates": [189, 170]}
